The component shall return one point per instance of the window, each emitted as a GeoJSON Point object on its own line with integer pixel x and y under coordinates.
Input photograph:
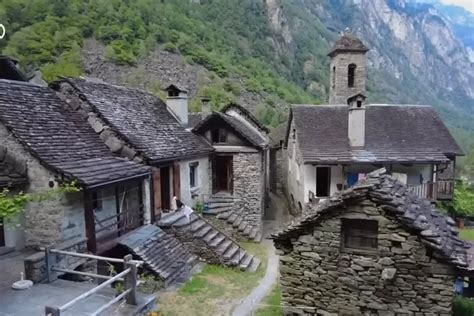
{"type": "Point", "coordinates": [219, 136]}
{"type": "Point", "coordinates": [359, 104]}
{"type": "Point", "coordinates": [193, 174]}
{"type": "Point", "coordinates": [351, 75]}
{"type": "Point", "coordinates": [359, 234]}
{"type": "Point", "coordinates": [334, 77]}
{"type": "Point", "coordinates": [323, 181]}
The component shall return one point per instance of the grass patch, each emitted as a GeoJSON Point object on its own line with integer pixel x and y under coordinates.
{"type": "Point", "coordinates": [215, 290]}
{"type": "Point", "coordinates": [463, 306]}
{"type": "Point", "coordinates": [466, 234]}
{"type": "Point", "coordinates": [271, 304]}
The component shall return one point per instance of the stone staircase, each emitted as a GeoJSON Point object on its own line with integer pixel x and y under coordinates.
{"type": "Point", "coordinates": [223, 208]}
{"type": "Point", "coordinates": [162, 253]}
{"type": "Point", "coordinates": [207, 241]}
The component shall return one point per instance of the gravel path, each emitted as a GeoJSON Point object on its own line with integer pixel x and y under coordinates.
{"type": "Point", "coordinates": [250, 303]}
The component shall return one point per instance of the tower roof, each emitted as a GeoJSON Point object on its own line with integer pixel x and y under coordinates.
{"type": "Point", "coordinates": [348, 43]}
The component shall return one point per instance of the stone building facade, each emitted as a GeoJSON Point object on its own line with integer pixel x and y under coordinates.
{"type": "Point", "coordinates": [375, 249]}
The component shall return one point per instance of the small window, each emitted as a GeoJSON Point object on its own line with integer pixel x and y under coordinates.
{"type": "Point", "coordinates": [359, 234]}
{"type": "Point", "coordinates": [97, 201]}
{"type": "Point", "coordinates": [323, 181]}
{"type": "Point", "coordinates": [219, 136]}
{"type": "Point", "coordinates": [173, 93]}
{"type": "Point", "coordinates": [359, 104]}
{"type": "Point", "coordinates": [193, 174]}
{"type": "Point", "coordinates": [334, 77]}
{"type": "Point", "coordinates": [351, 75]}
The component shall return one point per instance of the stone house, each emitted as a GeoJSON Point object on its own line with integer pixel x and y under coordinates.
{"type": "Point", "coordinates": [374, 249]}
{"type": "Point", "coordinates": [42, 145]}
{"type": "Point", "coordinates": [331, 147]}
{"type": "Point", "coordinates": [141, 127]}
{"type": "Point", "coordinates": [239, 167]}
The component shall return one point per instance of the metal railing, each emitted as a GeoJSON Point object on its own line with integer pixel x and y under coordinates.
{"type": "Point", "coordinates": [128, 276]}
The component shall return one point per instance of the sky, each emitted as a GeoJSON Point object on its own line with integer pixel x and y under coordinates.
{"type": "Point", "coordinates": [467, 4]}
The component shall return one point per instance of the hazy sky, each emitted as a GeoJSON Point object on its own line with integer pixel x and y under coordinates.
{"type": "Point", "coordinates": [467, 4]}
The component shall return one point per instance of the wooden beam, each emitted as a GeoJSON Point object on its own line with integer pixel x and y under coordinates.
{"type": "Point", "coordinates": [89, 221]}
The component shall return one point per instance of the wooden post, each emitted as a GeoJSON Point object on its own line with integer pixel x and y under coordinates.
{"type": "Point", "coordinates": [130, 280]}
{"type": "Point", "coordinates": [50, 261]}
{"type": "Point", "coordinates": [52, 311]}
{"type": "Point", "coordinates": [90, 222]}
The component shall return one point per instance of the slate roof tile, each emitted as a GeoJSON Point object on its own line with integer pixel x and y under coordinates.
{"type": "Point", "coordinates": [394, 133]}
{"type": "Point", "coordinates": [142, 119]}
{"type": "Point", "coordinates": [58, 137]}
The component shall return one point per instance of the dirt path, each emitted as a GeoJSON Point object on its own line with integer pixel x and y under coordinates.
{"type": "Point", "coordinates": [250, 303]}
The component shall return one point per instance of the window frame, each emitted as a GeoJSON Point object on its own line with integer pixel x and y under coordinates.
{"type": "Point", "coordinates": [367, 229]}
{"type": "Point", "coordinates": [193, 174]}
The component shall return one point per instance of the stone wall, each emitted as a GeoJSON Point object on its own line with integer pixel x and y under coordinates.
{"type": "Point", "coordinates": [35, 265]}
{"type": "Point", "coordinates": [400, 277]}
{"type": "Point", "coordinates": [46, 222]}
{"type": "Point", "coordinates": [249, 183]}
{"type": "Point", "coordinates": [340, 91]}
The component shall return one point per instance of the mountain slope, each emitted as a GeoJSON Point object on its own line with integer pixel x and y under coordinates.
{"type": "Point", "coordinates": [266, 53]}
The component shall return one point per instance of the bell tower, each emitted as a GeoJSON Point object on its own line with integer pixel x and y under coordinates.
{"type": "Point", "coordinates": [348, 68]}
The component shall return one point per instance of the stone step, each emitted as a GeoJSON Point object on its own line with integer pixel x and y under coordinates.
{"type": "Point", "coordinates": [258, 237]}
{"type": "Point", "coordinates": [242, 226]}
{"type": "Point", "coordinates": [245, 261]}
{"type": "Point", "coordinates": [237, 257]}
{"type": "Point", "coordinates": [184, 221]}
{"type": "Point", "coordinates": [237, 222]}
{"type": "Point", "coordinates": [217, 240]}
{"type": "Point", "coordinates": [203, 231]}
{"type": "Point", "coordinates": [231, 252]}
{"type": "Point", "coordinates": [219, 204]}
{"type": "Point", "coordinates": [232, 218]}
{"type": "Point", "coordinates": [247, 230]}
{"type": "Point", "coordinates": [254, 265]}
{"type": "Point", "coordinates": [168, 219]}
{"type": "Point", "coordinates": [218, 210]}
{"type": "Point", "coordinates": [253, 233]}
{"type": "Point", "coordinates": [224, 246]}
{"type": "Point", "coordinates": [197, 225]}
{"type": "Point", "coordinates": [210, 236]}
{"type": "Point", "coordinates": [225, 215]}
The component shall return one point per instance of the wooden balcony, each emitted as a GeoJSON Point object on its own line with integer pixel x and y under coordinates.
{"type": "Point", "coordinates": [440, 190]}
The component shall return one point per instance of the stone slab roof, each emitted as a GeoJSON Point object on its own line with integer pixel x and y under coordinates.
{"type": "Point", "coordinates": [58, 137]}
{"type": "Point", "coordinates": [248, 133]}
{"type": "Point", "coordinates": [13, 171]}
{"type": "Point", "coordinates": [394, 133]}
{"type": "Point", "coordinates": [194, 119]}
{"type": "Point", "coordinates": [246, 113]}
{"type": "Point", "coordinates": [142, 119]}
{"type": "Point", "coordinates": [348, 42]}
{"type": "Point", "coordinates": [436, 230]}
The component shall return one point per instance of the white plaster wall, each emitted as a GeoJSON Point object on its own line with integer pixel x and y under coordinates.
{"type": "Point", "coordinates": [295, 179]}
{"type": "Point", "coordinates": [202, 190]}
{"type": "Point", "coordinates": [179, 107]}
{"type": "Point", "coordinates": [356, 127]}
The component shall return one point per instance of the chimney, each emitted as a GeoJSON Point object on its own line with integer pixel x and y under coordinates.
{"type": "Point", "coordinates": [356, 124]}
{"type": "Point", "coordinates": [205, 107]}
{"type": "Point", "coordinates": [177, 103]}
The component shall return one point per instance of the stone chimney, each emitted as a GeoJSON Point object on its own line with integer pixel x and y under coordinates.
{"type": "Point", "coordinates": [356, 124]}
{"type": "Point", "coordinates": [205, 107]}
{"type": "Point", "coordinates": [177, 103]}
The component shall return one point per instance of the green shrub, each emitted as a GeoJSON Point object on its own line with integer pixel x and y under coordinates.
{"type": "Point", "coordinates": [170, 47]}
{"type": "Point", "coordinates": [463, 306]}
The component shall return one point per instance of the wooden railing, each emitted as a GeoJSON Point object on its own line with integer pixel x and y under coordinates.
{"type": "Point", "coordinates": [118, 224]}
{"type": "Point", "coordinates": [128, 276]}
{"type": "Point", "coordinates": [440, 190]}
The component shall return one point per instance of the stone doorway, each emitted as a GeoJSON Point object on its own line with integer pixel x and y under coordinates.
{"type": "Point", "coordinates": [222, 174]}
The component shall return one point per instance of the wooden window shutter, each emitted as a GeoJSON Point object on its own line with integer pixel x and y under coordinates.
{"type": "Point", "coordinates": [157, 190]}
{"type": "Point", "coordinates": [176, 182]}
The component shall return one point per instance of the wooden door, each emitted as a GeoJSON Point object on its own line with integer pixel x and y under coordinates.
{"type": "Point", "coordinates": [157, 191]}
{"type": "Point", "coordinates": [165, 188]}
{"type": "Point", "coordinates": [176, 182]}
